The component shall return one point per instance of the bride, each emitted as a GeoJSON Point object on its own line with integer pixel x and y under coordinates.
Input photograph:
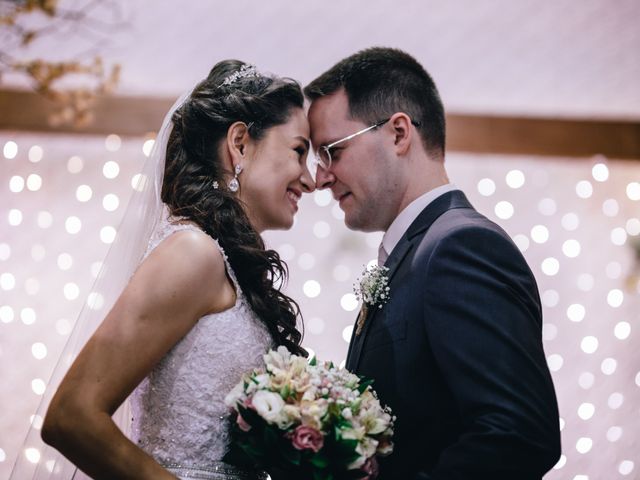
{"type": "Point", "coordinates": [204, 304]}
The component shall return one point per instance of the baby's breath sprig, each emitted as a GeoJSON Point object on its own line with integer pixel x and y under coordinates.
{"type": "Point", "coordinates": [373, 287]}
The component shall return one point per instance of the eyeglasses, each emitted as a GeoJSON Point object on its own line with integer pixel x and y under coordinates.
{"type": "Point", "coordinates": [323, 157]}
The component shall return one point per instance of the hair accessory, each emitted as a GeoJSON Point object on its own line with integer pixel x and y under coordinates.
{"type": "Point", "coordinates": [245, 71]}
{"type": "Point", "coordinates": [234, 184]}
{"type": "Point", "coordinates": [215, 184]}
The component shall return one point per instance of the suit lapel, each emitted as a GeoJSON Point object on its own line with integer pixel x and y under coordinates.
{"type": "Point", "coordinates": [447, 201]}
{"type": "Point", "coordinates": [357, 341]}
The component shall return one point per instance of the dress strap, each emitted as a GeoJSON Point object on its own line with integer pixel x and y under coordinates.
{"type": "Point", "coordinates": [227, 264]}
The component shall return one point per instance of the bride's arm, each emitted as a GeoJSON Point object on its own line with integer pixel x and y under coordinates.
{"type": "Point", "coordinates": [179, 282]}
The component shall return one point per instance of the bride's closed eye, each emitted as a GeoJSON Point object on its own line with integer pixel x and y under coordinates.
{"type": "Point", "coordinates": [301, 151]}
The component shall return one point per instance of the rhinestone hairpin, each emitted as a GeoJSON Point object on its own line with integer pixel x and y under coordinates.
{"type": "Point", "coordinates": [244, 72]}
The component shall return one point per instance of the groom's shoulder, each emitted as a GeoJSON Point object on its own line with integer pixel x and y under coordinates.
{"type": "Point", "coordinates": [462, 228]}
{"type": "Point", "coordinates": [458, 221]}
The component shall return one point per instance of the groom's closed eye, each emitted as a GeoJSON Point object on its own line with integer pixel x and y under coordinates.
{"type": "Point", "coordinates": [335, 153]}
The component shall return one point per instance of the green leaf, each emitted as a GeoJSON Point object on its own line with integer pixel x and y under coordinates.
{"type": "Point", "coordinates": [254, 453]}
{"type": "Point", "coordinates": [335, 410]}
{"type": "Point", "coordinates": [314, 361]}
{"type": "Point", "coordinates": [251, 416]}
{"type": "Point", "coordinates": [291, 454]}
{"type": "Point", "coordinates": [270, 436]}
{"type": "Point", "coordinates": [319, 460]}
{"type": "Point", "coordinates": [237, 456]}
{"type": "Point", "coordinates": [347, 445]}
{"type": "Point", "coordinates": [363, 386]}
{"type": "Point", "coordinates": [322, 475]}
{"type": "Point", "coordinates": [285, 392]}
{"type": "Point", "coordinates": [345, 450]}
{"type": "Point", "coordinates": [343, 423]}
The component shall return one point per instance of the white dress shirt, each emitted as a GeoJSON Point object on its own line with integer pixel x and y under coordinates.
{"type": "Point", "coordinates": [406, 217]}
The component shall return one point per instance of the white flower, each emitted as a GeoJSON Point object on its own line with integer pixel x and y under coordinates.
{"type": "Point", "coordinates": [373, 287]}
{"type": "Point", "coordinates": [312, 412]}
{"type": "Point", "coordinates": [278, 359]}
{"type": "Point", "coordinates": [257, 382]}
{"type": "Point", "coordinates": [292, 413]}
{"type": "Point", "coordinates": [356, 433]}
{"type": "Point", "coordinates": [268, 405]}
{"type": "Point", "coordinates": [235, 395]}
{"type": "Point", "coordinates": [309, 394]}
{"type": "Point", "coordinates": [367, 447]}
{"type": "Point", "coordinates": [375, 424]}
{"type": "Point", "coordinates": [288, 392]}
{"type": "Point", "coordinates": [357, 463]}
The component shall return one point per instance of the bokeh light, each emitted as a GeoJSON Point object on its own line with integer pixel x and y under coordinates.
{"type": "Point", "coordinates": [111, 169]}
{"type": "Point", "coordinates": [600, 172]}
{"type": "Point", "coordinates": [584, 189]}
{"type": "Point", "coordinates": [35, 153]}
{"type": "Point", "coordinates": [515, 179]}
{"type": "Point", "coordinates": [486, 187]}
{"type": "Point", "coordinates": [10, 150]}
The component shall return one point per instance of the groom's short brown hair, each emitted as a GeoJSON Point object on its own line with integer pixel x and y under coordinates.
{"type": "Point", "coordinates": [382, 81]}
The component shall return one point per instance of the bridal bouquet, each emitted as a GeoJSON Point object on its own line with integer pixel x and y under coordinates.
{"type": "Point", "coordinates": [308, 420]}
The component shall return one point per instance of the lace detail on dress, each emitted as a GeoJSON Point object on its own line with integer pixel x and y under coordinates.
{"type": "Point", "coordinates": [179, 415]}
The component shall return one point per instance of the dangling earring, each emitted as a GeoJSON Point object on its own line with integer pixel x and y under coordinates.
{"type": "Point", "coordinates": [234, 185]}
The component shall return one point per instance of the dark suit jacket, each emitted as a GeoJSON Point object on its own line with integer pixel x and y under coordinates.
{"type": "Point", "coordinates": [457, 353]}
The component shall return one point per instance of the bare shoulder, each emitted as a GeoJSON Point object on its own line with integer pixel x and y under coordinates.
{"type": "Point", "coordinates": [186, 269]}
{"type": "Point", "coordinates": [191, 254]}
{"type": "Point", "coordinates": [182, 280]}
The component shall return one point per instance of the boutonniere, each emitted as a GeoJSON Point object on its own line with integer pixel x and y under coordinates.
{"type": "Point", "coordinates": [372, 289]}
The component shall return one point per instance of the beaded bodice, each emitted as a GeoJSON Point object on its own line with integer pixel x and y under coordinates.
{"type": "Point", "coordinates": [178, 410]}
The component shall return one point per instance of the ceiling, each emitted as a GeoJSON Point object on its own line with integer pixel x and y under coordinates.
{"type": "Point", "coordinates": [563, 58]}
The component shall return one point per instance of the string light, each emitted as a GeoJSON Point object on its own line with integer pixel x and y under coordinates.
{"type": "Point", "coordinates": [571, 241]}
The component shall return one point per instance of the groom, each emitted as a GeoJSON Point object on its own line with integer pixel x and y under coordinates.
{"type": "Point", "coordinates": [456, 351]}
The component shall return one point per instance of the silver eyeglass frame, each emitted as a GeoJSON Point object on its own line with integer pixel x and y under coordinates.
{"type": "Point", "coordinates": [321, 163]}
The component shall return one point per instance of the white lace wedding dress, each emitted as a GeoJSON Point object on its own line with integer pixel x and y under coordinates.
{"type": "Point", "coordinates": [178, 411]}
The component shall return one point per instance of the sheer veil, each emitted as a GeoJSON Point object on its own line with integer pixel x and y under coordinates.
{"type": "Point", "coordinates": [36, 460]}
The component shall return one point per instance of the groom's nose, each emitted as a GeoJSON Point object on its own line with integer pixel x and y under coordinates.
{"type": "Point", "coordinates": [324, 178]}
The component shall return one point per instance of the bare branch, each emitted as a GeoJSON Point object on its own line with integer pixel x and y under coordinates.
{"type": "Point", "coordinates": [75, 104]}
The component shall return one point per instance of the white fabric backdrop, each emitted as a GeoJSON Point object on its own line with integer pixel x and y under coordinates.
{"type": "Point", "coordinates": [571, 222]}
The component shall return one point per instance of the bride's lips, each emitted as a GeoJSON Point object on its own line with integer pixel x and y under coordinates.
{"type": "Point", "coordinates": [294, 196]}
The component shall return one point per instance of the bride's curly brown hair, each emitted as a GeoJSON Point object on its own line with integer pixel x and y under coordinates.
{"type": "Point", "coordinates": [194, 163]}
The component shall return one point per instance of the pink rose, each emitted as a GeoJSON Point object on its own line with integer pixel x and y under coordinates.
{"type": "Point", "coordinates": [244, 426]}
{"type": "Point", "coordinates": [305, 437]}
{"type": "Point", "coordinates": [370, 467]}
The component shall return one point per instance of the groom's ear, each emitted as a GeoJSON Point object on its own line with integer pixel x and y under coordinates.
{"type": "Point", "coordinates": [402, 131]}
{"type": "Point", "coordinates": [237, 140]}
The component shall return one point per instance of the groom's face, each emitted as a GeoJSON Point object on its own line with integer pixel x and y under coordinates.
{"type": "Point", "coordinates": [361, 176]}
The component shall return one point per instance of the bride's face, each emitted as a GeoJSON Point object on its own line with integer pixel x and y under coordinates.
{"type": "Point", "coordinates": [275, 175]}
